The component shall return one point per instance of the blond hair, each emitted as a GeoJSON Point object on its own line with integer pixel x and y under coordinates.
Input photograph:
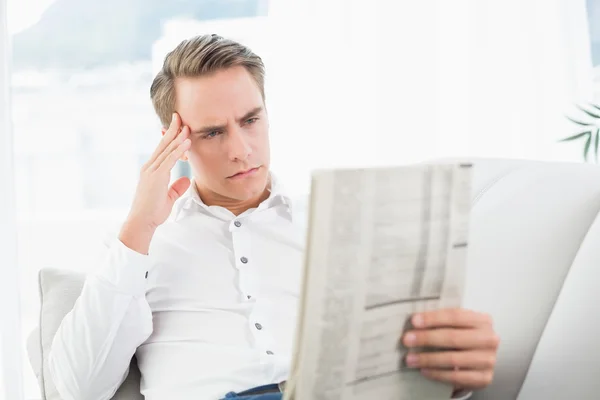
{"type": "Point", "coordinates": [200, 56]}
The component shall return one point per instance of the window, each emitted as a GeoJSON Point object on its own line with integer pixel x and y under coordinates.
{"type": "Point", "coordinates": [83, 121]}
{"type": "Point", "coordinates": [593, 11]}
{"type": "Point", "coordinates": [593, 14]}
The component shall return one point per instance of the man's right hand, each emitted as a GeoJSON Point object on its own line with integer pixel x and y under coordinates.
{"type": "Point", "coordinates": [154, 198]}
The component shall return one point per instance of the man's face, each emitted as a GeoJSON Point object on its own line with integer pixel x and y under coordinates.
{"type": "Point", "coordinates": [229, 130]}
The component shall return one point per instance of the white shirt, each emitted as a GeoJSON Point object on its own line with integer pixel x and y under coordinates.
{"type": "Point", "coordinates": [216, 313]}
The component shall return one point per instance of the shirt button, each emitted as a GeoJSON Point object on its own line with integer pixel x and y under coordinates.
{"type": "Point", "coordinates": [249, 296]}
{"type": "Point", "coordinates": [269, 352]}
{"type": "Point", "coordinates": [244, 260]}
{"type": "Point", "coordinates": [258, 326]}
{"type": "Point", "coordinates": [237, 223]}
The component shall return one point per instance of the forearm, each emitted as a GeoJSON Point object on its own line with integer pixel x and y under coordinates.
{"type": "Point", "coordinates": [95, 342]}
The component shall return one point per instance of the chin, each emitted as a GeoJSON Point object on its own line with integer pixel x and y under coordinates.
{"type": "Point", "coordinates": [249, 187]}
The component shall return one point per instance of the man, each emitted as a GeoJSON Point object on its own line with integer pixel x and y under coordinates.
{"type": "Point", "coordinates": [203, 281]}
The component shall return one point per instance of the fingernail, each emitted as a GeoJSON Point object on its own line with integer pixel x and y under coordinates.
{"type": "Point", "coordinates": [410, 339]}
{"type": "Point", "coordinates": [173, 118]}
{"type": "Point", "coordinates": [418, 321]}
{"type": "Point", "coordinates": [412, 360]}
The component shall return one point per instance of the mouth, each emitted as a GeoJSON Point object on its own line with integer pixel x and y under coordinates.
{"type": "Point", "coordinates": [244, 174]}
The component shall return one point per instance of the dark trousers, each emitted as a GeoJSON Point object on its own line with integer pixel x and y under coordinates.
{"type": "Point", "coordinates": [266, 392]}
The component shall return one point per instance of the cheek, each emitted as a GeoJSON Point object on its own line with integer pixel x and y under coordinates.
{"type": "Point", "coordinates": [196, 158]}
{"type": "Point", "coordinates": [261, 139]}
{"type": "Point", "coordinates": [206, 158]}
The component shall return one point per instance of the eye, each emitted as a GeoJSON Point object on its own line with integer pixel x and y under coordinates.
{"type": "Point", "coordinates": [212, 134]}
{"type": "Point", "coordinates": [251, 120]}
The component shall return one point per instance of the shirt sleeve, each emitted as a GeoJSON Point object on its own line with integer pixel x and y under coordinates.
{"type": "Point", "coordinates": [95, 342]}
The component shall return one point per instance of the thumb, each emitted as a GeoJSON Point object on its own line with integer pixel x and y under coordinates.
{"type": "Point", "coordinates": [178, 188]}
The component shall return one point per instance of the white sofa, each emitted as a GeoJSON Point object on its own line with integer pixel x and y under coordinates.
{"type": "Point", "coordinates": [534, 264]}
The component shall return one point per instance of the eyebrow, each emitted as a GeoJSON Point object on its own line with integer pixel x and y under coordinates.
{"type": "Point", "coordinates": [210, 128]}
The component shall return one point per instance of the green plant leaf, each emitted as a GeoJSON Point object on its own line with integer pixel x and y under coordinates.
{"type": "Point", "coordinates": [575, 137]}
{"type": "Point", "coordinates": [586, 149]}
{"type": "Point", "coordinates": [579, 122]}
{"type": "Point", "coordinates": [596, 141]}
{"type": "Point", "coordinates": [589, 112]}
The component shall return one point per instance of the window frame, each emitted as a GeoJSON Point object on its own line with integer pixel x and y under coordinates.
{"type": "Point", "coordinates": [11, 368]}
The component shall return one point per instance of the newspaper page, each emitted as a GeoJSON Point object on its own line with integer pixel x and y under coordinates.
{"type": "Point", "coordinates": [383, 243]}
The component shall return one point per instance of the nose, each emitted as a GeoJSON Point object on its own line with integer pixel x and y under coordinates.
{"type": "Point", "coordinates": [239, 145]}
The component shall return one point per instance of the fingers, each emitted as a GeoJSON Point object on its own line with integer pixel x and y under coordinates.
{"type": "Point", "coordinates": [468, 335]}
{"type": "Point", "coordinates": [472, 379]}
{"type": "Point", "coordinates": [178, 188]}
{"type": "Point", "coordinates": [171, 160]}
{"type": "Point", "coordinates": [174, 146]}
{"type": "Point", "coordinates": [170, 134]}
{"type": "Point", "coordinates": [451, 338]}
{"type": "Point", "coordinates": [452, 359]}
{"type": "Point", "coordinates": [451, 317]}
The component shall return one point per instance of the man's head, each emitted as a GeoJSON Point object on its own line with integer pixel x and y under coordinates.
{"type": "Point", "coordinates": [217, 87]}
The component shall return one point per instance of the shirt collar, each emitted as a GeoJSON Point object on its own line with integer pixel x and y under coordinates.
{"type": "Point", "coordinates": [278, 195]}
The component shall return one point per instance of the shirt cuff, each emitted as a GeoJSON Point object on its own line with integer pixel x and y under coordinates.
{"type": "Point", "coordinates": [461, 394]}
{"type": "Point", "coordinates": [124, 269]}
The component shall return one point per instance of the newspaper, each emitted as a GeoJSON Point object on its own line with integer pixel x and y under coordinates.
{"type": "Point", "coordinates": [383, 243]}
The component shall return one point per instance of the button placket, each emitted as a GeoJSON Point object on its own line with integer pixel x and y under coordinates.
{"type": "Point", "coordinates": [241, 251]}
{"type": "Point", "coordinates": [243, 259]}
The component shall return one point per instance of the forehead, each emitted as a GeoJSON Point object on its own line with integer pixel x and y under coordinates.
{"type": "Point", "coordinates": [215, 98]}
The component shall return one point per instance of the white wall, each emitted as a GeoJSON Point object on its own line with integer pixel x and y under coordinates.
{"type": "Point", "coordinates": [10, 328]}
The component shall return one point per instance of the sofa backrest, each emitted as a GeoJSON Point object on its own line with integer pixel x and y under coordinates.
{"type": "Point", "coordinates": [533, 264]}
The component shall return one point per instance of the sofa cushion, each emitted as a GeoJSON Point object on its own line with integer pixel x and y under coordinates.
{"type": "Point", "coordinates": [59, 290]}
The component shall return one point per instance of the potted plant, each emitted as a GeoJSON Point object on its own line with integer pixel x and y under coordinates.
{"type": "Point", "coordinates": [590, 126]}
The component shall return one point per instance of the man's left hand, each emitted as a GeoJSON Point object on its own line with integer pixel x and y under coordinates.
{"type": "Point", "coordinates": [467, 347]}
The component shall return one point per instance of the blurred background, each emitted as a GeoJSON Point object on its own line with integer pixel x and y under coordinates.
{"type": "Point", "coordinates": [349, 83]}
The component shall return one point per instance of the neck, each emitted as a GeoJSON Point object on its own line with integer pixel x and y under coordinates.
{"type": "Point", "coordinates": [236, 207]}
